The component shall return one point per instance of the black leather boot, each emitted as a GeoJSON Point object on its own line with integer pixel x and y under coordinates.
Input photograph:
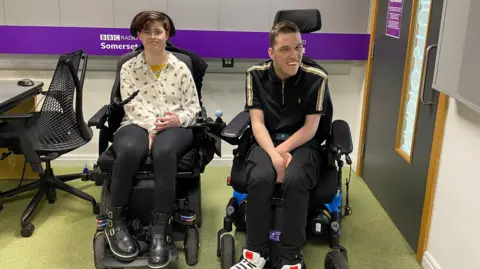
{"type": "Point", "coordinates": [161, 240]}
{"type": "Point", "coordinates": [122, 245]}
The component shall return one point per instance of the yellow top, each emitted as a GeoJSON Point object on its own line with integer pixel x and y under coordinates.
{"type": "Point", "coordinates": [157, 69]}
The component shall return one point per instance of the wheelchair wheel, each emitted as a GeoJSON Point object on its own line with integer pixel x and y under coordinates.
{"type": "Point", "coordinates": [335, 260]}
{"type": "Point", "coordinates": [97, 177]}
{"type": "Point", "coordinates": [195, 203]}
{"type": "Point", "coordinates": [99, 244]}
{"type": "Point", "coordinates": [191, 245]}
{"type": "Point", "coordinates": [239, 220]}
{"type": "Point", "coordinates": [227, 256]}
{"type": "Point", "coordinates": [104, 198]}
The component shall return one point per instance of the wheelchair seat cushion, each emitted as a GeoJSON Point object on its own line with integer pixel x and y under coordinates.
{"type": "Point", "coordinates": [185, 164]}
{"type": "Point", "coordinates": [326, 187]}
{"type": "Point", "coordinates": [323, 192]}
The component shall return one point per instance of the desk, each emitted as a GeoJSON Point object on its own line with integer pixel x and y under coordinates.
{"type": "Point", "coordinates": [16, 99]}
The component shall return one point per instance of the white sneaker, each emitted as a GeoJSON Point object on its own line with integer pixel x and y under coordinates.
{"type": "Point", "coordinates": [296, 266]}
{"type": "Point", "coordinates": [251, 260]}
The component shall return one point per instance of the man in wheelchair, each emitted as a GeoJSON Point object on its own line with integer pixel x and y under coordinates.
{"type": "Point", "coordinates": [154, 124]}
{"type": "Point", "coordinates": [285, 100]}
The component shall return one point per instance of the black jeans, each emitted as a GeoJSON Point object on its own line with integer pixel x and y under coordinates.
{"type": "Point", "coordinates": [130, 145]}
{"type": "Point", "coordinates": [301, 177]}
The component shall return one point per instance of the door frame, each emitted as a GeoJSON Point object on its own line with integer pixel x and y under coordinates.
{"type": "Point", "coordinates": [436, 143]}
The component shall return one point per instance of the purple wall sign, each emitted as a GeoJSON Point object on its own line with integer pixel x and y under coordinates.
{"type": "Point", "coordinates": [207, 44]}
{"type": "Point", "coordinates": [394, 18]}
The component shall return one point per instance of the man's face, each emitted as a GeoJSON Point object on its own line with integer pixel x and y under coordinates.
{"type": "Point", "coordinates": [287, 54]}
{"type": "Point", "coordinates": [154, 38]}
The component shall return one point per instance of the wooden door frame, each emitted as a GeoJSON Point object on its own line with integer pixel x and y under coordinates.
{"type": "Point", "coordinates": [436, 144]}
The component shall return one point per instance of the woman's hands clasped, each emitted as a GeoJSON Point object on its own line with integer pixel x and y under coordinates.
{"type": "Point", "coordinates": [170, 120]}
{"type": "Point", "coordinates": [162, 123]}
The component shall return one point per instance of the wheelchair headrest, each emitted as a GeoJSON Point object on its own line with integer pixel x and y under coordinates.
{"type": "Point", "coordinates": [134, 31]}
{"type": "Point", "coordinates": [307, 20]}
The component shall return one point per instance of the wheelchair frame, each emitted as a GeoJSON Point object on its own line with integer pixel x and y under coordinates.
{"type": "Point", "coordinates": [185, 226]}
{"type": "Point", "coordinates": [335, 147]}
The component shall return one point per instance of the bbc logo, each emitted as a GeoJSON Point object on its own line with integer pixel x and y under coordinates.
{"type": "Point", "coordinates": [110, 37]}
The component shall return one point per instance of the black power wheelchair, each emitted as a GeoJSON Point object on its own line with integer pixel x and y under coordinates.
{"type": "Point", "coordinates": [326, 201]}
{"type": "Point", "coordinates": [188, 208]}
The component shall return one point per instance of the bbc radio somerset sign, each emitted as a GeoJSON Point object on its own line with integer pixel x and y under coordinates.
{"type": "Point", "coordinates": [228, 44]}
{"type": "Point", "coordinates": [117, 42]}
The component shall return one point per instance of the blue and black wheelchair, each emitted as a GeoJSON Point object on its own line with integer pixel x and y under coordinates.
{"type": "Point", "coordinates": [188, 205]}
{"type": "Point", "coordinates": [326, 209]}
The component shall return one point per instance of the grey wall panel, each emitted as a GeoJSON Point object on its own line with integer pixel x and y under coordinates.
{"type": "Point", "coordinates": [2, 13]}
{"type": "Point", "coordinates": [194, 15]}
{"type": "Point", "coordinates": [277, 5]}
{"type": "Point", "coordinates": [456, 65]}
{"type": "Point", "coordinates": [125, 10]}
{"type": "Point", "coordinates": [245, 15]}
{"type": "Point", "coordinates": [32, 12]}
{"type": "Point", "coordinates": [86, 13]}
{"type": "Point", "coordinates": [345, 16]}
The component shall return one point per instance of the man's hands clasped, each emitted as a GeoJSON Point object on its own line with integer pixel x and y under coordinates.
{"type": "Point", "coordinates": [280, 161]}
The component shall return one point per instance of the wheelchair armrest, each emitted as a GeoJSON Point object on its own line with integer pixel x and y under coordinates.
{"type": "Point", "coordinates": [341, 138]}
{"type": "Point", "coordinates": [98, 120]}
{"type": "Point", "coordinates": [200, 118]}
{"type": "Point", "coordinates": [235, 129]}
{"type": "Point", "coordinates": [202, 121]}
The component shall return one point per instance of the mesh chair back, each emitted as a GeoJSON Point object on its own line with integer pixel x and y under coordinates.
{"type": "Point", "coordinates": [60, 126]}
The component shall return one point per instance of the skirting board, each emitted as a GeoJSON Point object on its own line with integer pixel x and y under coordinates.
{"type": "Point", "coordinates": [90, 159]}
{"type": "Point", "coordinates": [428, 262]}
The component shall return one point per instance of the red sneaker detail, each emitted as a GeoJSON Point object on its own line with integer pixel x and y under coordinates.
{"type": "Point", "coordinates": [248, 255]}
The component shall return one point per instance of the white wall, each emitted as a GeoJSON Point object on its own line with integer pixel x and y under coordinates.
{"type": "Point", "coordinates": [223, 91]}
{"type": "Point", "coordinates": [339, 16]}
{"type": "Point", "coordinates": [454, 240]}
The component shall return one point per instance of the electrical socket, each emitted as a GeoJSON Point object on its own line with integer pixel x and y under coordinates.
{"type": "Point", "coordinates": [227, 62]}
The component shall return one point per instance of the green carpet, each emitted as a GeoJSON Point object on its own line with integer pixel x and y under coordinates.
{"type": "Point", "coordinates": [64, 231]}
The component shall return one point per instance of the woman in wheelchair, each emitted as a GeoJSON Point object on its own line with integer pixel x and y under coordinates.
{"type": "Point", "coordinates": [285, 99]}
{"type": "Point", "coordinates": [154, 124]}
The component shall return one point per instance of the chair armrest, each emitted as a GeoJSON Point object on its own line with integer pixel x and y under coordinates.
{"type": "Point", "coordinates": [341, 138]}
{"type": "Point", "coordinates": [235, 129]}
{"type": "Point", "coordinates": [13, 117]}
{"type": "Point", "coordinates": [20, 124]}
{"type": "Point", "coordinates": [98, 120]}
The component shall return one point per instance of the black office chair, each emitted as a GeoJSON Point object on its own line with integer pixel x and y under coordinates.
{"type": "Point", "coordinates": [44, 136]}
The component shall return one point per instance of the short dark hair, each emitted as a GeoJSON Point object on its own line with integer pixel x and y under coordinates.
{"type": "Point", "coordinates": [284, 27]}
{"type": "Point", "coordinates": [143, 20]}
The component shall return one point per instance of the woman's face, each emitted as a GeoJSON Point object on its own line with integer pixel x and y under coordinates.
{"type": "Point", "coordinates": [155, 38]}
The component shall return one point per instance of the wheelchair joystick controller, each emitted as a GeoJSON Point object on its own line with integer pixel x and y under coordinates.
{"type": "Point", "coordinates": [219, 114]}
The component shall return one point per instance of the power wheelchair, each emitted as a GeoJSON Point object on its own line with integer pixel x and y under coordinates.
{"type": "Point", "coordinates": [188, 208]}
{"type": "Point", "coordinates": [326, 200]}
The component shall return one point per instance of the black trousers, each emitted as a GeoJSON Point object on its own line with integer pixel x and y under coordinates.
{"type": "Point", "coordinates": [130, 144]}
{"type": "Point", "coordinates": [301, 177]}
